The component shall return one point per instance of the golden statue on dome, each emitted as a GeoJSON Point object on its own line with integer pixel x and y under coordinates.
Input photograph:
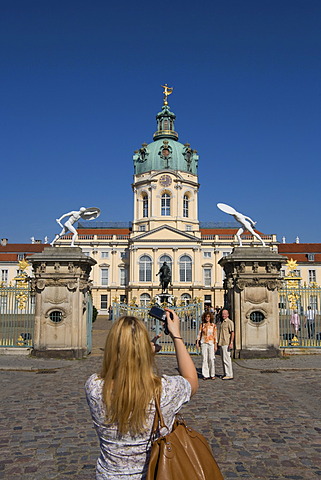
{"type": "Point", "coordinates": [167, 92]}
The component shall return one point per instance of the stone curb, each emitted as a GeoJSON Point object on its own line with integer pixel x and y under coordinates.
{"type": "Point", "coordinates": [275, 369]}
{"type": "Point", "coordinates": [31, 369]}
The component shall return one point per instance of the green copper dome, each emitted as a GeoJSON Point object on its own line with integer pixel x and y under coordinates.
{"type": "Point", "coordinates": [165, 152]}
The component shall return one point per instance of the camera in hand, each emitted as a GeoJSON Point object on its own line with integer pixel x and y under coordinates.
{"type": "Point", "coordinates": [160, 314]}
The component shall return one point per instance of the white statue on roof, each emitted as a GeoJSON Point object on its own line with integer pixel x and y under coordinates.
{"type": "Point", "coordinates": [74, 216]}
{"type": "Point", "coordinates": [246, 222]}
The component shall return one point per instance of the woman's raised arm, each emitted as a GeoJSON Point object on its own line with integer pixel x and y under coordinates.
{"type": "Point", "coordinates": [185, 364]}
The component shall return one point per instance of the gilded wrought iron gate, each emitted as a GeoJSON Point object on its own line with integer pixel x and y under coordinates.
{"type": "Point", "coordinates": [190, 316]}
{"type": "Point", "coordinates": [299, 313]}
{"type": "Point", "coordinates": [17, 316]}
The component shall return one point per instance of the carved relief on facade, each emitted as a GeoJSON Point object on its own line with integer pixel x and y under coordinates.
{"type": "Point", "coordinates": [271, 267]}
{"type": "Point", "coordinates": [56, 282]}
{"type": "Point", "coordinates": [240, 268]}
{"type": "Point", "coordinates": [40, 284]}
{"type": "Point", "coordinates": [256, 295]}
{"type": "Point", "coordinates": [240, 283]}
{"type": "Point", "coordinates": [71, 267]}
{"type": "Point", "coordinates": [41, 268]}
{"type": "Point", "coordinates": [274, 284]}
{"type": "Point", "coordinates": [56, 298]}
{"type": "Point", "coordinates": [255, 267]}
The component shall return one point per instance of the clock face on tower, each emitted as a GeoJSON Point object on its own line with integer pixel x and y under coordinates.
{"type": "Point", "coordinates": [165, 180]}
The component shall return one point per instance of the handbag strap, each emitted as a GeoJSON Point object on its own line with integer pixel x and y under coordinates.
{"type": "Point", "coordinates": [158, 419]}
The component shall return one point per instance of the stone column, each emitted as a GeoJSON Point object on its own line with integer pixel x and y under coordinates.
{"type": "Point", "coordinates": [62, 286]}
{"type": "Point", "coordinates": [252, 281]}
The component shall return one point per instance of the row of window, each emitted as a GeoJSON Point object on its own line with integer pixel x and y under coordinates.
{"type": "Point", "coordinates": [145, 271]}
{"type": "Point", "coordinates": [5, 274]}
{"type": "Point", "coordinates": [143, 228]}
{"type": "Point", "coordinates": [185, 267]}
{"type": "Point", "coordinates": [123, 276]}
{"type": "Point", "coordinates": [105, 254]}
{"type": "Point", "coordinates": [166, 205]}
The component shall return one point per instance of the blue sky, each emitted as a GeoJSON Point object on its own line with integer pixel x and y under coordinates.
{"type": "Point", "coordinates": [80, 88]}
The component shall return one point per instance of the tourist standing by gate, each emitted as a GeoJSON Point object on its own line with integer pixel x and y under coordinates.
{"type": "Point", "coordinates": [295, 321]}
{"type": "Point", "coordinates": [207, 339]}
{"type": "Point", "coordinates": [310, 322]}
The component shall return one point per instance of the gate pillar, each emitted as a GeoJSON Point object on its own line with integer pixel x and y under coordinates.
{"type": "Point", "coordinates": [62, 286]}
{"type": "Point", "coordinates": [251, 285]}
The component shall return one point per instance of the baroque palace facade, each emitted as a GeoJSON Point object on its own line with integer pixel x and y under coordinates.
{"type": "Point", "coordinates": [165, 227]}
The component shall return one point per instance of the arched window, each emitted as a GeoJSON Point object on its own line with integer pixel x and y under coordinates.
{"type": "Point", "coordinates": [185, 206]}
{"type": "Point", "coordinates": [167, 259]}
{"type": "Point", "coordinates": [145, 205]}
{"type": "Point", "coordinates": [185, 269]}
{"type": "Point", "coordinates": [166, 205]}
{"type": "Point", "coordinates": [186, 299]}
{"type": "Point", "coordinates": [145, 269]}
{"type": "Point", "coordinates": [144, 299]}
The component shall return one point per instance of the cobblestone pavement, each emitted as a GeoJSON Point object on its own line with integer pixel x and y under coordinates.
{"type": "Point", "coordinates": [265, 424]}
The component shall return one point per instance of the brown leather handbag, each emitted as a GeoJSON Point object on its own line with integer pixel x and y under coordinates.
{"type": "Point", "coordinates": [183, 454]}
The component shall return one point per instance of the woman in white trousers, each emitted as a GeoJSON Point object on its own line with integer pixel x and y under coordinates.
{"type": "Point", "coordinates": [207, 340]}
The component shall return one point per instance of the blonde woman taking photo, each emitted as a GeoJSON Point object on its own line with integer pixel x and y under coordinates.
{"type": "Point", "coordinates": [121, 397]}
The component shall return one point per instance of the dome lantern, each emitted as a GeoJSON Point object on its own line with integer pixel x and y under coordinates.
{"type": "Point", "coordinates": [165, 119]}
{"type": "Point", "coordinates": [165, 152]}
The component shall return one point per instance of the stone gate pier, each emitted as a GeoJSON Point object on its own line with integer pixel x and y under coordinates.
{"type": "Point", "coordinates": [251, 285]}
{"type": "Point", "coordinates": [63, 306]}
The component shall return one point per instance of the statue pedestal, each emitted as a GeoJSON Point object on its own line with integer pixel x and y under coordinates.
{"type": "Point", "coordinates": [164, 298]}
{"type": "Point", "coordinates": [63, 302]}
{"type": "Point", "coordinates": [251, 283]}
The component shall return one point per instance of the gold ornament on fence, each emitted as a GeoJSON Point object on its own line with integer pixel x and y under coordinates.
{"type": "Point", "coordinates": [293, 299]}
{"type": "Point", "coordinates": [22, 283]}
{"type": "Point", "coordinates": [133, 302]}
{"type": "Point", "coordinates": [292, 265]}
{"type": "Point", "coordinates": [293, 282]}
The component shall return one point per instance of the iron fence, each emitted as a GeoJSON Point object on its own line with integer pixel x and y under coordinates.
{"type": "Point", "coordinates": [300, 316]}
{"type": "Point", "coordinates": [17, 317]}
{"type": "Point", "coordinates": [190, 316]}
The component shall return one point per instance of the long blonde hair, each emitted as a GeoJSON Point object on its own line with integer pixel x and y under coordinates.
{"type": "Point", "coordinates": [130, 382]}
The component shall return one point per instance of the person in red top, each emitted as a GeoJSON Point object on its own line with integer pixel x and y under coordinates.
{"type": "Point", "coordinates": [207, 340]}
